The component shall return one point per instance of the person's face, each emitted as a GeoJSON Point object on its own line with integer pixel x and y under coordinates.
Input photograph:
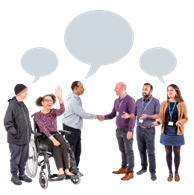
{"type": "Point", "coordinates": [146, 91]}
{"type": "Point", "coordinates": [80, 88]}
{"type": "Point", "coordinates": [171, 92]}
{"type": "Point", "coordinates": [118, 89]}
{"type": "Point", "coordinates": [47, 102]}
{"type": "Point", "coordinates": [24, 94]}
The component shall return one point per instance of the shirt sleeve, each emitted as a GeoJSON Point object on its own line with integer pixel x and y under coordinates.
{"type": "Point", "coordinates": [58, 112]}
{"type": "Point", "coordinates": [131, 106]}
{"type": "Point", "coordinates": [135, 109]}
{"type": "Point", "coordinates": [157, 108]}
{"type": "Point", "coordinates": [112, 114]}
{"type": "Point", "coordinates": [41, 125]}
{"type": "Point", "coordinates": [9, 121]}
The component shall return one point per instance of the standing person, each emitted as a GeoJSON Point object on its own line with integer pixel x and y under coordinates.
{"type": "Point", "coordinates": [173, 116]}
{"type": "Point", "coordinates": [124, 131]}
{"type": "Point", "coordinates": [73, 118]}
{"type": "Point", "coordinates": [47, 123]}
{"type": "Point", "coordinates": [146, 110]}
{"type": "Point", "coordinates": [18, 126]}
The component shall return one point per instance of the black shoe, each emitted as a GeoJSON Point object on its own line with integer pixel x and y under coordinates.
{"type": "Point", "coordinates": [58, 178]}
{"type": "Point", "coordinates": [141, 171]}
{"type": "Point", "coordinates": [72, 176]}
{"type": "Point", "coordinates": [25, 178]}
{"type": "Point", "coordinates": [16, 181]}
{"type": "Point", "coordinates": [153, 176]}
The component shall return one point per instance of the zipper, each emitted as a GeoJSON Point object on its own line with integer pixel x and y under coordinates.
{"type": "Point", "coordinates": [26, 123]}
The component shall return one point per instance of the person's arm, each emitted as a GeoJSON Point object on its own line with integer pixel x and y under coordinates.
{"type": "Point", "coordinates": [9, 121]}
{"type": "Point", "coordinates": [78, 110]}
{"type": "Point", "coordinates": [130, 115]}
{"type": "Point", "coordinates": [60, 111]}
{"type": "Point", "coordinates": [184, 119]}
{"type": "Point", "coordinates": [131, 106]}
{"type": "Point", "coordinates": [111, 115]}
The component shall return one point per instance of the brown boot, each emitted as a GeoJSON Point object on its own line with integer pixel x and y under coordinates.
{"type": "Point", "coordinates": [127, 176]}
{"type": "Point", "coordinates": [170, 177]}
{"type": "Point", "coordinates": [121, 170]}
{"type": "Point", "coordinates": [177, 177]}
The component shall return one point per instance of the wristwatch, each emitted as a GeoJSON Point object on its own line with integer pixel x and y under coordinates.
{"type": "Point", "coordinates": [158, 122]}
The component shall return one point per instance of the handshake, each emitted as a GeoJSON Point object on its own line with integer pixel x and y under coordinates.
{"type": "Point", "coordinates": [100, 118]}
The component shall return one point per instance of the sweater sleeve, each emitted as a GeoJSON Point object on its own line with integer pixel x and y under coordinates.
{"type": "Point", "coordinates": [112, 114]}
{"type": "Point", "coordinates": [161, 114]}
{"type": "Point", "coordinates": [131, 106]}
{"type": "Point", "coordinates": [41, 125]}
{"type": "Point", "coordinates": [184, 118]}
{"type": "Point", "coordinates": [58, 112]}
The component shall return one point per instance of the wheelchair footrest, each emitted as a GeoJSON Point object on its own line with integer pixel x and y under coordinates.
{"type": "Point", "coordinates": [55, 177]}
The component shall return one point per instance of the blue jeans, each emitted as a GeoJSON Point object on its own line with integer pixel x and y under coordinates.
{"type": "Point", "coordinates": [146, 143]}
{"type": "Point", "coordinates": [126, 149]}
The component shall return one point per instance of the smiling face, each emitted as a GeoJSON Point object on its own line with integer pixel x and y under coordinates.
{"type": "Point", "coordinates": [47, 102]}
{"type": "Point", "coordinates": [171, 92]}
{"type": "Point", "coordinates": [146, 91]}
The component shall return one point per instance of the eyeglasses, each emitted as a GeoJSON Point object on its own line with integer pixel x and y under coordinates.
{"type": "Point", "coordinates": [46, 100]}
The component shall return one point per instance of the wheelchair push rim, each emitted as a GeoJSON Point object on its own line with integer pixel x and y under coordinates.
{"type": "Point", "coordinates": [32, 163]}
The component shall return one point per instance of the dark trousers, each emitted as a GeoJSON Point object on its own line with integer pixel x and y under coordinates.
{"type": "Point", "coordinates": [19, 157]}
{"type": "Point", "coordinates": [146, 142]}
{"type": "Point", "coordinates": [60, 152]}
{"type": "Point", "coordinates": [126, 148]}
{"type": "Point", "coordinates": [74, 140]}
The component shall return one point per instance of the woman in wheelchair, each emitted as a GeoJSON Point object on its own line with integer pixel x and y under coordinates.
{"type": "Point", "coordinates": [46, 121]}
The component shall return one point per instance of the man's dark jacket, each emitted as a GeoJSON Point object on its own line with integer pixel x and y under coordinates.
{"type": "Point", "coordinates": [17, 123]}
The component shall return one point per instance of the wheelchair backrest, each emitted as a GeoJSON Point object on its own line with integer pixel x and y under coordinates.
{"type": "Point", "coordinates": [36, 127]}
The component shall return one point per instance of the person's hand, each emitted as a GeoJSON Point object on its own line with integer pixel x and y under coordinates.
{"type": "Point", "coordinates": [143, 117]}
{"type": "Point", "coordinates": [56, 143]}
{"type": "Point", "coordinates": [129, 135]}
{"type": "Point", "coordinates": [178, 124]}
{"type": "Point", "coordinates": [126, 115]}
{"type": "Point", "coordinates": [58, 92]}
{"type": "Point", "coordinates": [100, 118]}
{"type": "Point", "coordinates": [155, 124]}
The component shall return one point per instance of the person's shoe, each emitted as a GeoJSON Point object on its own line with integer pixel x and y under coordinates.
{"type": "Point", "coordinates": [141, 171]}
{"type": "Point", "coordinates": [121, 170]}
{"type": "Point", "coordinates": [16, 181]}
{"type": "Point", "coordinates": [153, 176]}
{"type": "Point", "coordinates": [170, 177]}
{"type": "Point", "coordinates": [25, 178]}
{"type": "Point", "coordinates": [177, 177]}
{"type": "Point", "coordinates": [127, 176]}
{"type": "Point", "coordinates": [61, 177]}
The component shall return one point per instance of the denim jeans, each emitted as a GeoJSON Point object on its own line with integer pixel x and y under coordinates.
{"type": "Point", "coordinates": [126, 149]}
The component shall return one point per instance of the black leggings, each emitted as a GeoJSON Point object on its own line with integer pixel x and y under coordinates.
{"type": "Point", "coordinates": [176, 150]}
{"type": "Point", "coordinates": [60, 152]}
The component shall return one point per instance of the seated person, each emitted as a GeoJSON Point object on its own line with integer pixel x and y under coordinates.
{"type": "Point", "coordinates": [46, 121]}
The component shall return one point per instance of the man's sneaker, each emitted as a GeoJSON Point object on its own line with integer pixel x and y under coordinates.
{"type": "Point", "coordinates": [153, 176]}
{"type": "Point", "coordinates": [141, 171]}
{"type": "Point", "coordinates": [25, 179]}
{"type": "Point", "coordinates": [16, 181]}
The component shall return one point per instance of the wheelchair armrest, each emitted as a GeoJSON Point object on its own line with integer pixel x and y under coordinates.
{"type": "Point", "coordinates": [64, 131]}
{"type": "Point", "coordinates": [37, 134]}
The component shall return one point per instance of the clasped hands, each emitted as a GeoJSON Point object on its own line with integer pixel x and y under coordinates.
{"type": "Point", "coordinates": [100, 118]}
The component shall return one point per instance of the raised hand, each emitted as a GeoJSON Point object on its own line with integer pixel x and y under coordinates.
{"type": "Point", "coordinates": [125, 115]}
{"type": "Point", "coordinates": [58, 92]}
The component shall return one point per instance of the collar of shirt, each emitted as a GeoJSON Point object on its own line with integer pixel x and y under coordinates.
{"type": "Point", "coordinates": [123, 96]}
{"type": "Point", "coordinates": [147, 99]}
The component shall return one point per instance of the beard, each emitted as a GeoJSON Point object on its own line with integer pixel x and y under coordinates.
{"type": "Point", "coordinates": [146, 95]}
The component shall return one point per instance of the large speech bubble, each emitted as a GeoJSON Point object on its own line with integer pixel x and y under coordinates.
{"type": "Point", "coordinates": [158, 62]}
{"type": "Point", "coordinates": [39, 62]}
{"type": "Point", "coordinates": [98, 38]}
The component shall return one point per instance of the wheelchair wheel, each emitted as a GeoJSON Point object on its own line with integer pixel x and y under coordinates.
{"type": "Point", "coordinates": [76, 181]}
{"type": "Point", "coordinates": [43, 180]}
{"type": "Point", "coordinates": [32, 163]}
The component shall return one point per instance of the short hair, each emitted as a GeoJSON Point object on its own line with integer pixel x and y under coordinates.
{"type": "Point", "coordinates": [151, 87]}
{"type": "Point", "coordinates": [74, 84]}
{"type": "Point", "coordinates": [40, 99]}
{"type": "Point", "coordinates": [124, 86]}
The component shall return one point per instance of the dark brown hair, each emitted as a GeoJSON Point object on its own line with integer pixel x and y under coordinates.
{"type": "Point", "coordinates": [178, 97]}
{"type": "Point", "coordinates": [40, 99]}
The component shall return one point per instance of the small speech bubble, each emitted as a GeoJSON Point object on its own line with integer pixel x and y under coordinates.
{"type": "Point", "coordinates": [158, 62]}
{"type": "Point", "coordinates": [39, 62]}
{"type": "Point", "coordinates": [98, 38]}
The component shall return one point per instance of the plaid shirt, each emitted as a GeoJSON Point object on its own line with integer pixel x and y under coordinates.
{"type": "Point", "coordinates": [152, 108]}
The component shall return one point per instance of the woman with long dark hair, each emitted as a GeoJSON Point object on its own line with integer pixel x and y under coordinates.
{"type": "Point", "coordinates": [173, 116]}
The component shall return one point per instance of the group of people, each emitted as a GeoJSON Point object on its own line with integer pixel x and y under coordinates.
{"type": "Point", "coordinates": [172, 114]}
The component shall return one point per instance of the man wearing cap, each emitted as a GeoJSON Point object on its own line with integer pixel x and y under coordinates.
{"type": "Point", "coordinates": [18, 126]}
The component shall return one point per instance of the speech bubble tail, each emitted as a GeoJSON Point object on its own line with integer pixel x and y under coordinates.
{"type": "Point", "coordinates": [36, 79]}
{"type": "Point", "coordinates": [93, 69]}
{"type": "Point", "coordinates": [161, 79]}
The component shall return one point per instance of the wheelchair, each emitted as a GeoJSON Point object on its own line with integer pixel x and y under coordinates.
{"type": "Point", "coordinates": [37, 149]}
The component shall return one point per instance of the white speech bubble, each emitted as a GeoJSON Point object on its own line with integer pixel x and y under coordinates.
{"type": "Point", "coordinates": [98, 38]}
{"type": "Point", "coordinates": [158, 62]}
{"type": "Point", "coordinates": [39, 62]}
